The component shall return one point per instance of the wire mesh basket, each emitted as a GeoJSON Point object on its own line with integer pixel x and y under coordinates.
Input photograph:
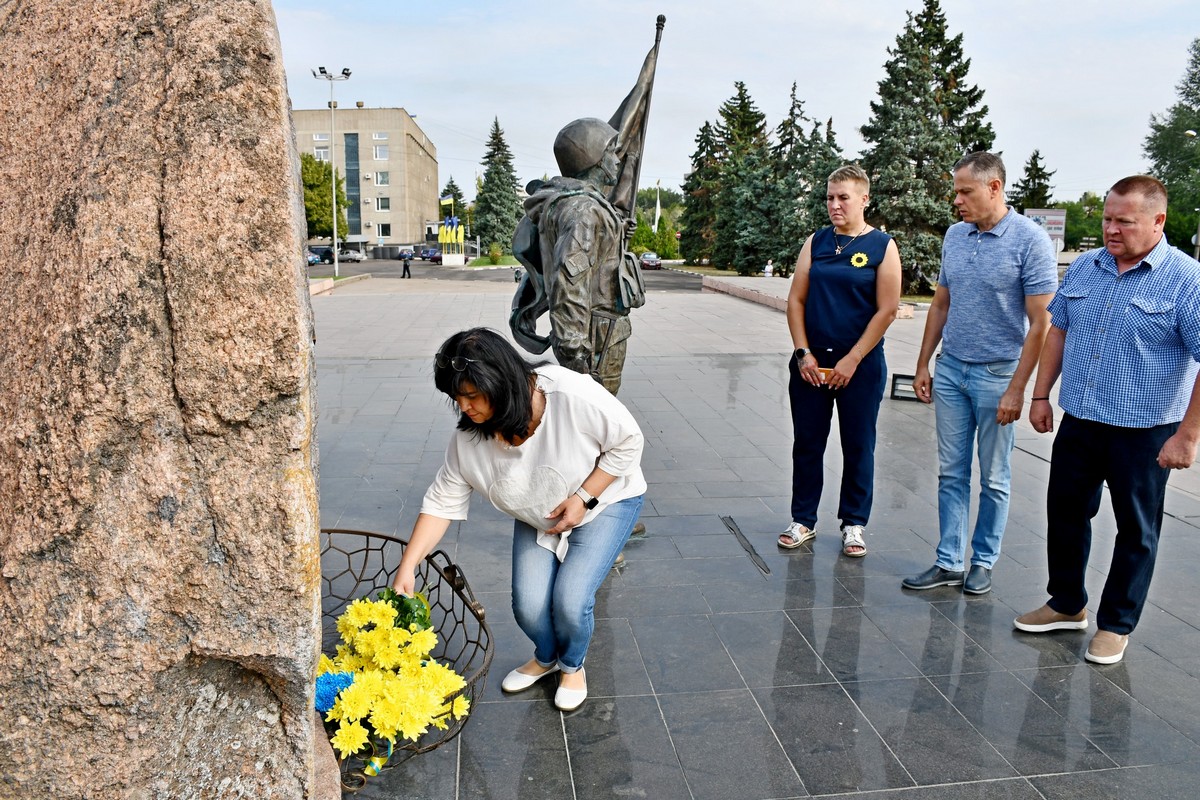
{"type": "Point", "coordinates": [358, 564]}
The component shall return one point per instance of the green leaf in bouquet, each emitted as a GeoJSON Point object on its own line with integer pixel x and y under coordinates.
{"type": "Point", "coordinates": [409, 610]}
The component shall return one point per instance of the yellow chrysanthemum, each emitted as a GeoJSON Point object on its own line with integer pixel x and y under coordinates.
{"type": "Point", "coordinates": [424, 641]}
{"type": "Point", "coordinates": [460, 707]}
{"type": "Point", "coordinates": [381, 613]}
{"type": "Point", "coordinates": [858, 260]}
{"type": "Point", "coordinates": [353, 703]}
{"type": "Point", "coordinates": [357, 614]}
{"type": "Point", "coordinates": [325, 665]}
{"type": "Point", "coordinates": [349, 739]}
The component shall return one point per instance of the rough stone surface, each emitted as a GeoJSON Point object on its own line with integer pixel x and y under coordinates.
{"type": "Point", "coordinates": [159, 574]}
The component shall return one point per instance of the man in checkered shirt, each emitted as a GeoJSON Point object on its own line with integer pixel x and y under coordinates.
{"type": "Point", "coordinates": [1125, 337]}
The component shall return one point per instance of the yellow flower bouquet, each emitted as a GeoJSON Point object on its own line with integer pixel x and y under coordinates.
{"type": "Point", "coordinates": [383, 685]}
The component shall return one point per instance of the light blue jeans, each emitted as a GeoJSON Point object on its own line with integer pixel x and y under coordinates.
{"type": "Point", "coordinates": [966, 397]}
{"type": "Point", "coordinates": [553, 602]}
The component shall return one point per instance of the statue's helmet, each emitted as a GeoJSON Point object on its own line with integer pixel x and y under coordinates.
{"type": "Point", "coordinates": [581, 144]}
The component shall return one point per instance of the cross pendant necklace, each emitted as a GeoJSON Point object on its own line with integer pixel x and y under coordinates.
{"type": "Point", "coordinates": [838, 248]}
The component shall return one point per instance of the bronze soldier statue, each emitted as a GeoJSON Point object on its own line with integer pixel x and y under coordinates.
{"type": "Point", "coordinates": [580, 248]}
{"type": "Point", "coordinates": [573, 241]}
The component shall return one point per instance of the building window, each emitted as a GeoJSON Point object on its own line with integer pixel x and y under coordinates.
{"type": "Point", "coordinates": [381, 179]}
{"type": "Point", "coordinates": [320, 137]}
{"type": "Point", "coordinates": [383, 203]}
{"type": "Point", "coordinates": [381, 135]}
{"type": "Point", "coordinates": [385, 229]}
{"type": "Point", "coordinates": [321, 153]}
{"type": "Point", "coordinates": [381, 152]}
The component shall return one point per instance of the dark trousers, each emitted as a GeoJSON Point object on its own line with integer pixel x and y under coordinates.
{"type": "Point", "coordinates": [1086, 456]}
{"type": "Point", "coordinates": [812, 415]}
{"type": "Point", "coordinates": [406, 273]}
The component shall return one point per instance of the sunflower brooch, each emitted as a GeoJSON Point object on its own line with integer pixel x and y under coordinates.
{"type": "Point", "coordinates": [858, 260]}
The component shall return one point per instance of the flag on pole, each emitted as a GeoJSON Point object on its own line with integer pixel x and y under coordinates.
{"type": "Point", "coordinates": [630, 124]}
{"type": "Point", "coordinates": [657, 205]}
{"type": "Point", "coordinates": [447, 200]}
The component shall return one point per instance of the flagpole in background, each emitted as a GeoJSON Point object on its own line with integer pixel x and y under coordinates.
{"type": "Point", "coordinates": [657, 205]}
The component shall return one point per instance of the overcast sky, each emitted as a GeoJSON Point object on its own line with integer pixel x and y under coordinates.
{"type": "Point", "coordinates": [1076, 80]}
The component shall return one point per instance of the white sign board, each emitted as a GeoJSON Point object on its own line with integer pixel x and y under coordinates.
{"type": "Point", "coordinates": [1053, 220]}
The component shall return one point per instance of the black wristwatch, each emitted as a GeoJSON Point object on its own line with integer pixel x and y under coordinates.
{"type": "Point", "coordinates": [801, 352]}
{"type": "Point", "coordinates": [589, 502]}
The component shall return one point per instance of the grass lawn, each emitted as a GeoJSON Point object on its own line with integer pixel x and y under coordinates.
{"type": "Point", "coordinates": [505, 261]}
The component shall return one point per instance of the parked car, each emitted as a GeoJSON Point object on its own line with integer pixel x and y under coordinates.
{"type": "Point", "coordinates": [435, 257]}
{"type": "Point", "coordinates": [405, 254]}
{"type": "Point", "coordinates": [429, 252]}
{"type": "Point", "coordinates": [351, 255]}
{"type": "Point", "coordinates": [651, 260]}
{"type": "Point", "coordinates": [325, 254]}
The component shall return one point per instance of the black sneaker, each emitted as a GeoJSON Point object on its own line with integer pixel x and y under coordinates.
{"type": "Point", "coordinates": [979, 580]}
{"type": "Point", "coordinates": [932, 578]}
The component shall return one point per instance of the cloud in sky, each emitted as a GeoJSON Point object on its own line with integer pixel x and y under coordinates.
{"type": "Point", "coordinates": [1076, 81]}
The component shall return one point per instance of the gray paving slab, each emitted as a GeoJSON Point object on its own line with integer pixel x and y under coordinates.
{"type": "Point", "coordinates": [711, 679]}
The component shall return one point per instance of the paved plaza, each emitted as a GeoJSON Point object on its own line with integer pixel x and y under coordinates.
{"type": "Point", "coordinates": [710, 679]}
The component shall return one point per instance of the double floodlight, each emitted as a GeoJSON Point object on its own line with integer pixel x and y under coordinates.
{"type": "Point", "coordinates": [321, 72]}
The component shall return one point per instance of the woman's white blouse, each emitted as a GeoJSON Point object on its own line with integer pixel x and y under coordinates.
{"type": "Point", "coordinates": [582, 427]}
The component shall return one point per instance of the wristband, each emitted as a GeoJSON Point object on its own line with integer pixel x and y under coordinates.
{"type": "Point", "coordinates": [1034, 400]}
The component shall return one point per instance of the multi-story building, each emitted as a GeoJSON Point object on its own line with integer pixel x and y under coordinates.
{"type": "Point", "coordinates": [389, 165]}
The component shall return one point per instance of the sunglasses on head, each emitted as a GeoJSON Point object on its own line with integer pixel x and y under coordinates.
{"type": "Point", "coordinates": [459, 363]}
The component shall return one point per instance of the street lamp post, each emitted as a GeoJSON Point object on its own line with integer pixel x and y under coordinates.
{"type": "Point", "coordinates": [321, 74]}
{"type": "Point", "coordinates": [1196, 248]}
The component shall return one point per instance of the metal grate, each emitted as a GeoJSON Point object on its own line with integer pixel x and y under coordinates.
{"type": "Point", "coordinates": [358, 564]}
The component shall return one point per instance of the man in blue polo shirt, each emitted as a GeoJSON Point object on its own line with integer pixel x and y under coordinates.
{"type": "Point", "coordinates": [999, 272]}
{"type": "Point", "coordinates": [1125, 339]}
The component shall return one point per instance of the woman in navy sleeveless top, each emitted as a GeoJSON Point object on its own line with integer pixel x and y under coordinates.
{"type": "Point", "coordinates": [844, 295]}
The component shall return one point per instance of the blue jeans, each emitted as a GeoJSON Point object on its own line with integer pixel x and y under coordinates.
{"type": "Point", "coordinates": [553, 602]}
{"type": "Point", "coordinates": [966, 397]}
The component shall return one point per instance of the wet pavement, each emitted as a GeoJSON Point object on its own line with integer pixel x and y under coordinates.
{"type": "Point", "coordinates": [709, 678]}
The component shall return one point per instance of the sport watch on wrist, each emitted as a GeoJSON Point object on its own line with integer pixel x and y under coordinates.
{"type": "Point", "coordinates": [801, 352]}
{"type": "Point", "coordinates": [589, 502]}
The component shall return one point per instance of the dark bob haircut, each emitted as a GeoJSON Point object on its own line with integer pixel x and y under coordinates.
{"type": "Point", "coordinates": [497, 372]}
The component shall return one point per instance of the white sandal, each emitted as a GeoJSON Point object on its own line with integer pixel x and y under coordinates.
{"type": "Point", "coordinates": [852, 536]}
{"type": "Point", "coordinates": [795, 535]}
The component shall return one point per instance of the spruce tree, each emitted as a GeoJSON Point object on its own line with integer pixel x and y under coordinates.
{"type": "Point", "coordinates": [699, 192]}
{"type": "Point", "coordinates": [744, 221]}
{"type": "Point", "coordinates": [791, 156]}
{"type": "Point", "coordinates": [741, 125]}
{"type": "Point", "coordinates": [497, 206]}
{"type": "Point", "coordinates": [962, 111]}
{"type": "Point", "coordinates": [1175, 157]}
{"type": "Point", "coordinates": [1034, 189]}
{"type": "Point", "coordinates": [741, 130]}
{"type": "Point", "coordinates": [451, 189]}
{"type": "Point", "coordinates": [925, 120]}
{"type": "Point", "coordinates": [825, 155]}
